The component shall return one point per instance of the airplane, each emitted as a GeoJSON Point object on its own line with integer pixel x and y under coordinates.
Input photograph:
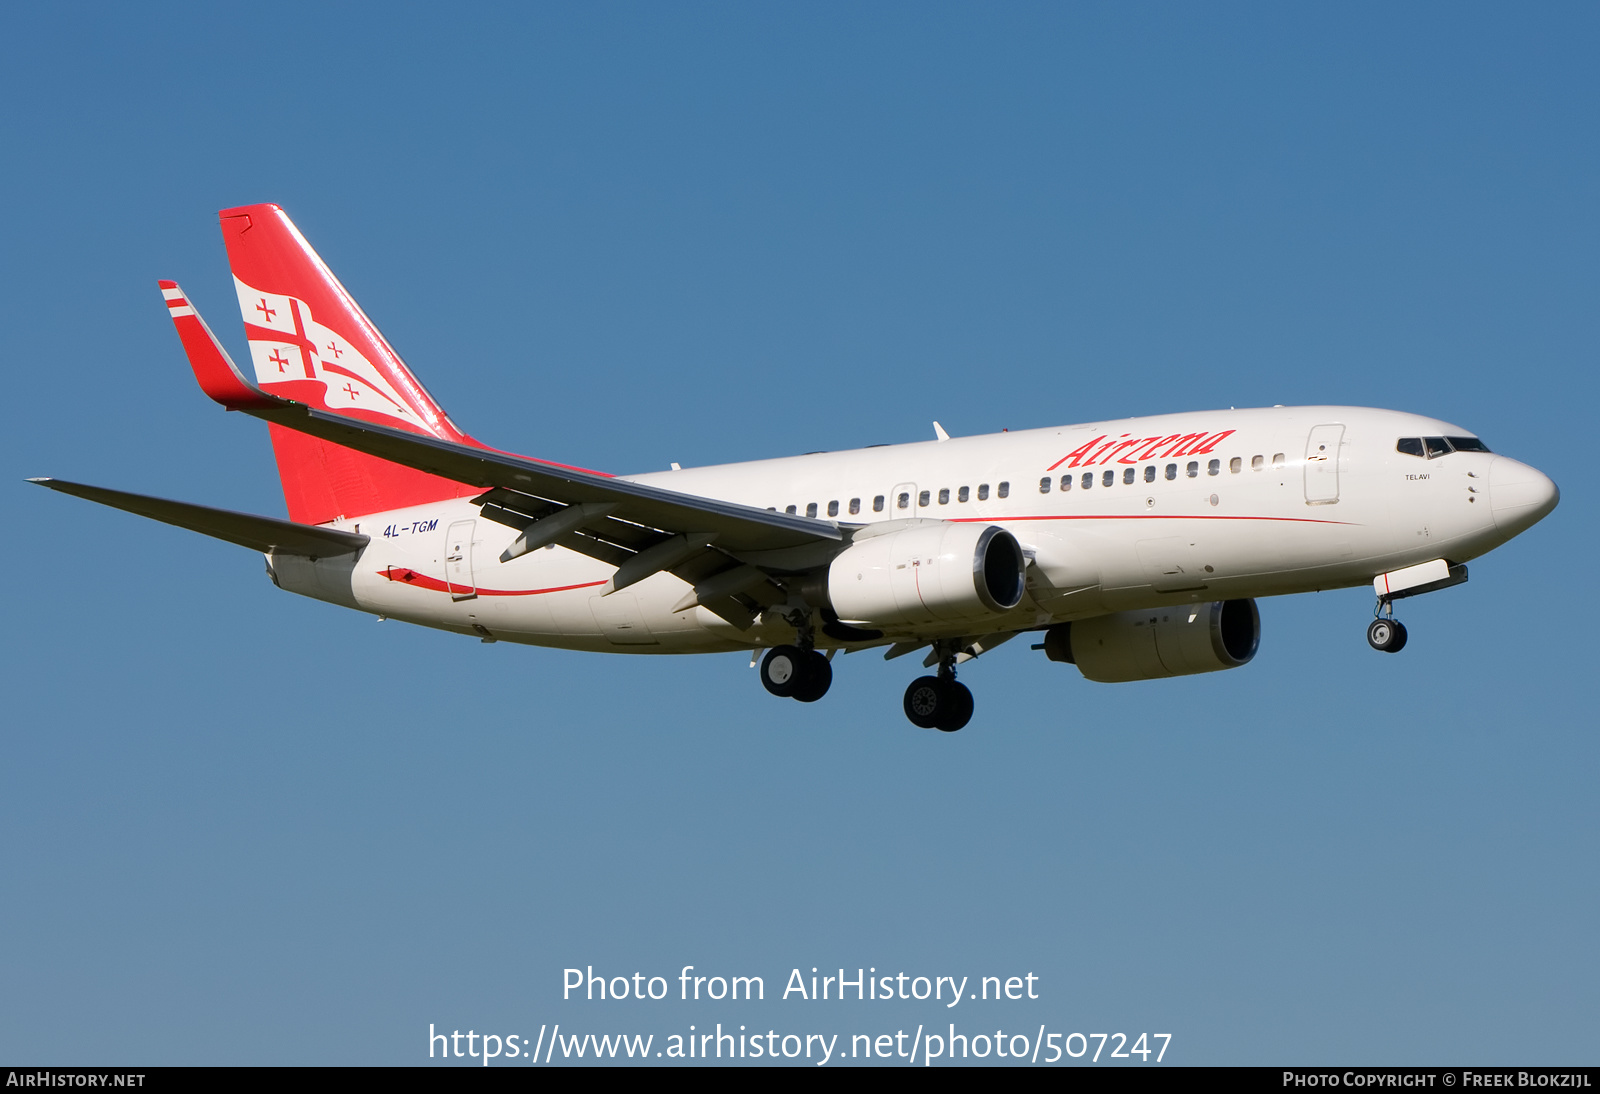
{"type": "Point", "coordinates": [1134, 549]}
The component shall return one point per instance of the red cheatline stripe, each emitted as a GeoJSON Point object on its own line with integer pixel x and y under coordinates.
{"type": "Point", "coordinates": [1142, 516]}
{"type": "Point", "coordinates": [423, 581]}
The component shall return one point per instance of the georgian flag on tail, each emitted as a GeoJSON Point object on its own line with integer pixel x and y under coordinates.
{"type": "Point", "coordinates": [309, 340]}
{"type": "Point", "coordinates": [297, 358]}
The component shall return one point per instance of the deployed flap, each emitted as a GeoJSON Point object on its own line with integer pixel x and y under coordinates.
{"type": "Point", "coordinates": [263, 534]}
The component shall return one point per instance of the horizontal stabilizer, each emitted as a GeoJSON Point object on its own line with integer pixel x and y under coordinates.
{"type": "Point", "coordinates": [264, 534]}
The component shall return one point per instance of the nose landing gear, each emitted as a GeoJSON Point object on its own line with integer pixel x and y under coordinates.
{"type": "Point", "coordinates": [1386, 634]}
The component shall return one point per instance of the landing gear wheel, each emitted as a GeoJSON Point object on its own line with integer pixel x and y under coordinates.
{"type": "Point", "coordinates": [815, 677]}
{"type": "Point", "coordinates": [960, 712]}
{"type": "Point", "coordinates": [1387, 635]}
{"type": "Point", "coordinates": [790, 672]}
{"type": "Point", "coordinates": [935, 703]}
{"type": "Point", "coordinates": [782, 670]}
{"type": "Point", "coordinates": [923, 699]}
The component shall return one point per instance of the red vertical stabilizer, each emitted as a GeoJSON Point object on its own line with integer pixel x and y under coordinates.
{"type": "Point", "coordinates": [310, 342]}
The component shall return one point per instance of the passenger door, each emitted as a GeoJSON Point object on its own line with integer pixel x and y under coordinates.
{"type": "Point", "coordinates": [1322, 464]}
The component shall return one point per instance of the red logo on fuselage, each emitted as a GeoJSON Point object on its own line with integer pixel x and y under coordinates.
{"type": "Point", "coordinates": [1129, 449]}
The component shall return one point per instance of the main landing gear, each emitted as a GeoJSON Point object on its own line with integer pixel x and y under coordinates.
{"type": "Point", "coordinates": [938, 702]}
{"type": "Point", "coordinates": [797, 671]}
{"type": "Point", "coordinates": [932, 702]}
{"type": "Point", "coordinates": [790, 672]}
{"type": "Point", "coordinates": [1386, 634]}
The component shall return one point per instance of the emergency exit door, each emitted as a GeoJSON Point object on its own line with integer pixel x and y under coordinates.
{"type": "Point", "coordinates": [903, 501]}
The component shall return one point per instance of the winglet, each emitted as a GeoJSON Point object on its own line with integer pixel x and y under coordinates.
{"type": "Point", "coordinates": [219, 377]}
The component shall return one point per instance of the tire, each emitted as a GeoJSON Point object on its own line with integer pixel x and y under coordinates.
{"type": "Point", "coordinates": [925, 699]}
{"type": "Point", "coordinates": [958, 711]}
{"type": "Point", "coordinates": [1386, 635]}
{"type": "Point", "coordinates": [783, 669]}
{"type": "Point", "coordinates": [815, 678]}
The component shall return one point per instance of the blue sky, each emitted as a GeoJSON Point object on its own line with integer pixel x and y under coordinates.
{"type": "Point", "coordinates": [238, 826]}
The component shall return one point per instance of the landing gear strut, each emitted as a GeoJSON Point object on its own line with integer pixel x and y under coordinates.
{"type": "Point", "coordinates": [938, 702]}
{"type": "Point", "coordinates": [1386, 634]}
{"type": "Point", "coordinates": [797, 671]}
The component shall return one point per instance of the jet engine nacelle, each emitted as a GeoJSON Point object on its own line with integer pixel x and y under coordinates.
{"type": "Point", "coordinates": [1147, 645]}
{"type": "Point", "coordinates": [926, 571]}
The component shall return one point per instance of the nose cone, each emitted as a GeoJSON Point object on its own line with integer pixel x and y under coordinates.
{"type": "Point", "coordinates": [1520, 495]}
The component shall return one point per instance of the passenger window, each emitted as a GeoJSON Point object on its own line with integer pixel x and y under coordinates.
{"type": "Point", "coordinates": [1044, 485]}
{"type": "Point", "coordinates": [1127, 475]}
{"type": "Point", "coordinates": [789, 509]}
{"type": "Point", "coordinates": [1235, 465]}
{"type": "Point", "coordinates": [922, 499]}
{"type": "Point", "coordinates": [1214, 467]}
{"type": "Point", "coordinates": [962, 494]}
{"type": "Point", "coordinates": [833, 508]}
{"type": "Point", "coordinates": [1172, 471]}
{"type": "Point", "coordinates": [1467, 444]}
{"type": "Point", "coordinates": [811, 509]}
{"type": "Point", "coordinates": [944, 496]}
{"type": "Point", "coordinates": [1150, 473]}
{"type": "Point", "coordinates": [1088, 479]}
{"type": "Point", "coordinates": [1108, 478]}
{"type": "Point", "coordinates": [1277, 459]}
{"type": "Point", "coordinates": [1003, 490]}
{"type": "Point", "coordinates": [855, 506]}
{"type": "Point", "coordinates": [1437, 446]}
{"type": "Point", "coordinates": [1066, 483]}
{"type": "Point", "coordinates": [904, 501]}
{"type": "Point", "coordinates": [877, 504]}
{"type": "Point", "coordinates": [1193, 470]}
{"type": "Point", "coordinates": [983, 492]}
{"type": "Point", "coordinates": [1257, 462]}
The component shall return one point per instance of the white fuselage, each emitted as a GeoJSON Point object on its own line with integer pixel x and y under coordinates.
{"type": "Point", "coordinates": [1289, 499]}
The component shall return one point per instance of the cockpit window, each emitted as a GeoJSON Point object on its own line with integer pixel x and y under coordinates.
{"type": "Point", "coordinates": [1410, 446]}
{"type": "Point", "coordinates": [1467, 444]}
{"type": "Point", "coordinates": [1437, 446]}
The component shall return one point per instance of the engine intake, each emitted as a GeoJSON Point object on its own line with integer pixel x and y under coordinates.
{"type": "Point", "coordinates": [925, 572]}
{"type": "Point", "coordinates": [1147, 645]}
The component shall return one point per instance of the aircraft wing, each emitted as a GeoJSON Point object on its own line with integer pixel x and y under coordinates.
{"type": "Point", "coordinates": [736, 527]}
